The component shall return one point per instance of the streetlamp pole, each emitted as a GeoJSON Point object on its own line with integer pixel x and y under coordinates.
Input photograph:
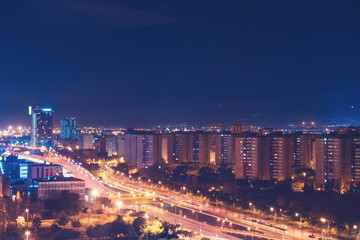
{"type": "Point", "coordinates": [302, 233]}
{"type": "Point", "coordinates": [324, 220]}
{"type": "Point", "coordinates": [357, 235]}
{"type": "Point", "coordinates": [274, 210]}
{"type": "Point", "coordinates": [27, 233]}
{"type": "Point", "coordinates": [147, 224]}
{"type": "Point", "coordinates": [27, 219]}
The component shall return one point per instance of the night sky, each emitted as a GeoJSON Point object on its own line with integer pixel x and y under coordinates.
{"type": "Point", "coordinates": [145, 63]}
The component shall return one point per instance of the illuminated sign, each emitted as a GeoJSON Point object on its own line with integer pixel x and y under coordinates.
{"type": "Point", "coordinates": [24, 171]}
{"type": "Point", "coordinates": [46, 109]}
{"type": "Point", "coordinates": [30, 110]}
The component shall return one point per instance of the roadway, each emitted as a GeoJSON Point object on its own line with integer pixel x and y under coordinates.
{"type": "Point", "coordinates": [114, 186]}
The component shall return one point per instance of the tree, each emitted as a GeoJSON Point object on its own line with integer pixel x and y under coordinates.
{"type": "Point", "coordinates": [36, 223]}
{"type": "Point", "coordinates": [104, 201]}
{"type": "Point", "coordinates": [308, 188]}
{"type": "Point", "coordinates": [66, 234]}
{"type": "Point", "coordinates": [63, 220]}
{"type": "Point", "coordinates": [20, 222]}
{"type": "Point", "coordinates": [138, 227]}
{"type": "Point", "coordinates": [153, 229]}
{"type": "Point", "coordinates": [65, 201]}
{"type": "Point", "coordinates": [284, 186]}
{"type": "Point", "coordinates": [75, 223]}
{"type": "Point", "coordinates": [180, 173]}
{"type": "Point", "coordinates": [122, 167]}
{"type": "Point", "coordinates": [207, 176]}
{"type": "Point", "coordinates": [170, 231]}
{"type": "Point", "coordinates": [110, 230]}
{"type": "Point", "coordinates": [225, 173]}
{"type": "Point", "coordinates": [12, 209]}
{"type": "Point", "coordinates": [55, 228]}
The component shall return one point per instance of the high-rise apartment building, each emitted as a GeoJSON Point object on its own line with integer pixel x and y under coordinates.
{"type": "Point", "coordinates": [68, 128]}
{"type": "Point", "coordinates": [225, 148]}
{"type": "Point", "coordinates": [143, 149]}
{"type": "Point", "coordinates": [179, 147]}
{"type": "Point", "coordinates": [108, 145]}
{"type": "Point", "coordinates": [130, 145]}
{"type": "Point", "coordinates": [247, 157]}
{"type": "Point", "coordinates": [237, 128]}
{"type": "Point", "coordinates": [263, 157]}
{"type": "Point", "coordinates": [41, 126]}
{"type": "Point", "coordinates": [335, 157]}
{"type": "Point", "coordinates": [121, 145]}
{"type": "Point", "coordinates": [206, 144]}
{"type": "Point", "coordinates": [355, 159]}
{"type": "Point", "coordinates": [86, 141]}
{"type": "Point", "coordinates": [333, 162]}
{"type": "Point", "coordinates": [190, 148]}
{"type": "Point", "coordinates": [281, 156]}
{"type": "Point", "coordinates": [303, 151]}
{"type": "Point", "coordinates": [164, 149]}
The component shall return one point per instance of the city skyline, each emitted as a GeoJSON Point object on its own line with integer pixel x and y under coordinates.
{"type": "Point", "coordinates": [140, 64]}
{"type": "Point", "coordinates": [202, 120]}
{"type": "Point", "coordinates": [249, 122]}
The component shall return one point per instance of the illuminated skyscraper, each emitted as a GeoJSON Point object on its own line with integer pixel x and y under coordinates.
{"type": "Point", "coordinates": [41, 126]}
{"type": "Point", "coordinates": [68, 128]}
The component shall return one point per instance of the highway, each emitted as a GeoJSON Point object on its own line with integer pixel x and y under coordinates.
{"type": "Point", "coordinates": [181, 199]}
{"type": "Point", "coordinates": [210, 230]}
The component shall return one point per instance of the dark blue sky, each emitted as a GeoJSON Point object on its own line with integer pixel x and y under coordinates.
{"type": "Point", "coordinates": [143, 63]}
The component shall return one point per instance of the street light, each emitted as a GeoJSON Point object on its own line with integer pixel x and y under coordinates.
{"type": "Point", "coordinates": [147, 224]}
{"type": "Point", "coordinates": [119, 205]}
{"type": "Point", "coordinates": [356, 227]}
{"type": "Point", "coordinates": [95, 193]}
{"type": "Point", "coordinates": [252, 206]}
{"type": "Point", "coordinates": [27, 219]}
{"type": "Point", "coordinates": [324, 220]}
{"type": "Point", "coordinates": [27, 233]}
{"type": "Point", "coordinates": [299, 215]}
{"type": "Point", "coordinates": [273, 210]}
{"type": "Point", "coordinates": [187, 190]}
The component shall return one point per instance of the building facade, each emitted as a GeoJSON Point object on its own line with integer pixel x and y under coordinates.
{"type": "Point", "coordinates": [108, 145]}
{"type": "Point", "coordinates": [247, 157]}
{"type": "Point", "coordinates": [86, 141]}
{"type": "Point", "coordinates": [333, 162]}
{"type": "Point", "coordinates": [41, 126]}
{"type": "Point", "coordinates": [52, 188]}
{"type": "Point", "coordinates": [143, 149]}
{"type": "Point", "coordinates": [68, 128]}
{"type": "Point", "coordinates": [225, 149]}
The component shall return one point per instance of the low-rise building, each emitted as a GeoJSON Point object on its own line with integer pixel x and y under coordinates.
{"type": "Point", "coordinates": [52, 188]}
